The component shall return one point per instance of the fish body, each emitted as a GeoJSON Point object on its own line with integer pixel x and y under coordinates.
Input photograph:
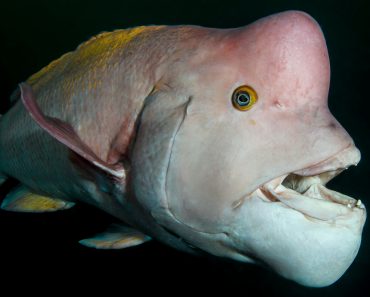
{"type": "Point", "coordinates": [208, 140]}
{"type": "Point", "coordinates": [84, 85]}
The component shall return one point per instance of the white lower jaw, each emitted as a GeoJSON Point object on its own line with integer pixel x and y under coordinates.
{"type": "Point", "coordinates": [311, 251]}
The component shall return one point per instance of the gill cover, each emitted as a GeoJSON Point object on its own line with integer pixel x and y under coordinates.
{"type": "Point", "coordinates": [161, 119]}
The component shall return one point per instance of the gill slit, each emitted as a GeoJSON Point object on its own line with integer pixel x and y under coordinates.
{"type": "Point", "coordinates": [186, 106]}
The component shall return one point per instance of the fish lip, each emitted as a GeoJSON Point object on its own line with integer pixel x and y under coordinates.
{"type": "Point", "coordinates": [349, 156]}
{"type": "Point", "coordinates": [309, 195]}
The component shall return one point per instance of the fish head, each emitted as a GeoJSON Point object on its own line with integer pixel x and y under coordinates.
{"type": "Point", "coordinates": [236, 146]}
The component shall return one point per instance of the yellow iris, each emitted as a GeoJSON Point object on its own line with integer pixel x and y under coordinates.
{"type": "Point", "coordinates": [244, 97]}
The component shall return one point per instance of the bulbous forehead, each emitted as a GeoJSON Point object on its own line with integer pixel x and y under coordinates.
{"type": "Point", "coordinates": [287, 56]}
{"type": "Point", "coordinates": [282, 56]}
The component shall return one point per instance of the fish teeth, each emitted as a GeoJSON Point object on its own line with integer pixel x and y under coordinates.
{"type": "Point", "coordinates": [359, 204]}
{"type": "Point", "coordinates": [308, 195]}
{"type": "Point", "coordinates": [339, 197]}
{"type": "Point", "coordinates": [319, 208]}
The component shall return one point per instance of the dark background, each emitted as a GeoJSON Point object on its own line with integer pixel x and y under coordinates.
{"type": "Point", "coordinates": [40, 253]}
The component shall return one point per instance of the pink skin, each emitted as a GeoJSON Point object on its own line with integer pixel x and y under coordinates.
{"type": "Point", "coordinates": [220, 155]}
{"type": "Point", "coordinates": [284, 58]}
{"type": "Point", "coordinates": [164, 149]}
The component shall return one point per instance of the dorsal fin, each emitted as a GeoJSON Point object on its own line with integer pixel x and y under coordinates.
{"type": "Point", "coordinates": [101, 45]}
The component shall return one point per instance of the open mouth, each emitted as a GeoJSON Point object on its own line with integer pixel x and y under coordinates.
{"type": "Point", "coordinates": [305, 190]}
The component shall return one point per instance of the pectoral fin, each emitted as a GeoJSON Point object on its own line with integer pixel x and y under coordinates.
{"type": "Point", "coordinates": [22, 200]}
{"type": "Point", "coordinates": [116, 237]}
{"type": "Point", "coordinates": [65, 134]}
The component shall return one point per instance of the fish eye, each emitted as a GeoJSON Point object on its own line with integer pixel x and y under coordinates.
{"type": "Point", "coordinates": [244, 97]}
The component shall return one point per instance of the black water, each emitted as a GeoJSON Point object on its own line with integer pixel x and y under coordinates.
{"type": "Point", "coordinates": [39, 251]}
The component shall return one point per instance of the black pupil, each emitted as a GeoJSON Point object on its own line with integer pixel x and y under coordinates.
{"type": "Point", "coordinates": [243, 99]}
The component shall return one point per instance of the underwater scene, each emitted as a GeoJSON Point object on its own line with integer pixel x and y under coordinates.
{"type": "Point", "coordinates": [168, 147]}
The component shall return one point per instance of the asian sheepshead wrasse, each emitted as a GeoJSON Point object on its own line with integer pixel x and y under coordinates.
{"type": "Point", "coordinates": [208, 140]}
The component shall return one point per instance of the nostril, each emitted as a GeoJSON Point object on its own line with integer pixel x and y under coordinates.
{"type": "Point", "coordinates": [278, 104]}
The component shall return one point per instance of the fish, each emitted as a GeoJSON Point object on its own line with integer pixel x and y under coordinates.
{"type": "Point", "coordinates": [213, 141]}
